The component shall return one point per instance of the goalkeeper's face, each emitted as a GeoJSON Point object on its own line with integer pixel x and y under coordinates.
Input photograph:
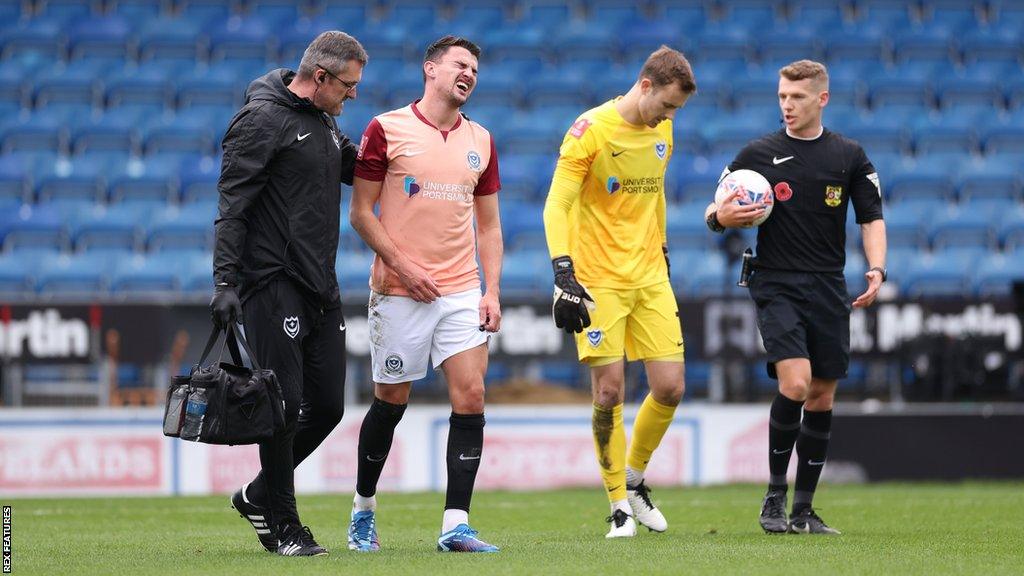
{"type": "Point", "coordinates": [659, 103]}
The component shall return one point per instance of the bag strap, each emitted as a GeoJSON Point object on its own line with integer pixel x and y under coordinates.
{"type": "Point", "coordinates": [235, 335]}
{"type": "Point", "coordinates": [229, 341]}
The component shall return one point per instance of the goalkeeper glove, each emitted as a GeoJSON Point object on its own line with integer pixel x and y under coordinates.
{"type": "Point", "coordinates": [572, 301]}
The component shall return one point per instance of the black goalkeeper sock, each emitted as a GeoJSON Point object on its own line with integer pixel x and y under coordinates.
{"type": "Point", "coordinates": [375, 436]}
{"type": "Point", "coordinates": [811, 449]}
{"type": "Point", "coordinates": [465, 446]}
{"type": "Point", "coordinates": [783, 428]}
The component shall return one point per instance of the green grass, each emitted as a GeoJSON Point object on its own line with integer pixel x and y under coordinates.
{"type": "Point", "coordinates": [975, 528]}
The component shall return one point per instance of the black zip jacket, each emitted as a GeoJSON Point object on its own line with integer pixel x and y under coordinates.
{"type": "Point", "coordinates": [280, 192]}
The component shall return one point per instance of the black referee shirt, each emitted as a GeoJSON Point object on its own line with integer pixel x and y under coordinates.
{"type": "Point", "coordinates": [814, 182]}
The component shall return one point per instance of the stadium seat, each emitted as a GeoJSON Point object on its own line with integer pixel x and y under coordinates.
{"type": "Point", "coordinates": [109, 132]}
{"type": "Point", "coordinates": [197, 277]}
{"type": "Point", "coordinates": [15, 179]}
{"type": "Point", "coordinates": [198, 175]}
{"type": "Point", "coordinates": [31, 226]}
{"type": "Point", "coordinates": [997, 273]}
{"type": "Point", "coordinates": [353, 270]}
{"type": "Point", "coordinates": [991, 45]}
{"type": "Point", "coordinates": [942, 274]}
{"type": "Point", "coordinates": [188, 227]}
{"type": "Point", "coordinates": [185, 134]}
{"type": "Point", "coordinates": [989, 178]}
{"type": "Point", "coordinates": [39, 37]}
{"type": "Point", "coordinates": [525, 273]}
{"type": "Point", "coordinates": [77, 179]}
{"type": "Point", "coordinates": [953, 93]}
{"type": "Point", "coordinates": [66, 275]}
{"type": "Point", "coordinates": [154, 178]}
{"type": "Point", "coordinates": [905, 223]}
{"type": "Point", "coordinates": [240, 38]}
{"type": "Point", "coordinates": [166, 40]}
{"type": "Point", "coordinates": [1010, 230]}
{"type": "Point", "coordinates": [108, 227]}
{"type": "Point", "coordinates": [16, 275]}
{"type": "Point", "coordinates": [103, 37]}
{"type": "Point", "coordinates": [148, 274]}
{"type": "Point", "coordinates": [963, 226]}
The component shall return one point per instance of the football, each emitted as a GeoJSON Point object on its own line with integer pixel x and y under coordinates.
{"type": "Point", "coordinates": [754, 186]}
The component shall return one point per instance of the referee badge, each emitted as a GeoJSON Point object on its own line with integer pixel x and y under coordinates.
{"type": "Point", "coordinates": [595, 337]}
{"type": "Point", "coordinates": [660, 148]}
{"type": "Point", "coordinates": [833, 195]}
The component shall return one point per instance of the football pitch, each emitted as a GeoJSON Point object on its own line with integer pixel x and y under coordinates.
{"type": "Point", "coordinates": [969, 528]}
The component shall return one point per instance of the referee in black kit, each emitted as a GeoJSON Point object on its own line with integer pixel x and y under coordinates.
{"type": "Point", "coordinates": [276, 242]}
{"type": "Point", "coordinates": [797, 283]}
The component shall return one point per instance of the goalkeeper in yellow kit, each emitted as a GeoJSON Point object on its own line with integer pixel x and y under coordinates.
{"type": "Point", "coordinates": [605, 225]}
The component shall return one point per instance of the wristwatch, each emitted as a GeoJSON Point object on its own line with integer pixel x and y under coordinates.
{"type": "Point", "coordinates": [885, 274]}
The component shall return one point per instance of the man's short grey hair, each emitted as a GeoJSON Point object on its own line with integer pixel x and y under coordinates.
{"type": "Point", "coordinates": [331, 50]}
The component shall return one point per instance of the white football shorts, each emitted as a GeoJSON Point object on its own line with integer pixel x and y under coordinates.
{"type": "Point", "coordinates": [406, 334]}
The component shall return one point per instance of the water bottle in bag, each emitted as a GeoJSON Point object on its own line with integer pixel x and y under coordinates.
{"type": "Point", "coordinates": [194, 413]}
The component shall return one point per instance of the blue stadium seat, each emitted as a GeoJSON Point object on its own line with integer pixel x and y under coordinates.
{"type": "Point", "coordinates": [154, 178]}
{"type": "Point", "coordinates": [944, 138]}
{"type": "Point", "coordinates": [924, 44]}
{"type": "Point", "coordinates": [889, 90]}
{"type": "Point", "coordinates": [108, 227]}
{"type": "Point", "coordinates": [525, 176]}
{"type": "Point", "coordinates": [567, 373]}
{"type": "Point", "coordinates": [925, 178]}
{"type": "Point", "coordinates": [479, 17]}
{"type": "Point", "coordinates": [69, 86]}
{"type": "Point", "coordinates": [962, 226]}
{"type": "Point", "coordinates": [996, 274]}
{"type": "Point", "coordinates": [38, 37]}
{"type": "Point", "coordinates": [153, 273]}
{"type": "Point", "coordinates": [15, 178]}
{"type": "Point", "coordinates": [187, 227]}
{"type": "Point", "coordinates": [171, 40]}
{"type": "Point", "coordinates": [76, 179]}
{"type": "Point", "coordinates": [33, 227]}
{"type": "Point", "coordinates": [876, 137]}
{"type": "Point", "coordinates": [862, 48]}
{"type": "Point", "coordinates": [80, 274]}
{"type": "Point", "coordinates": [722, 43]}
{"type": "Point", "coordinates": [65, 10]}
{"type": "Point", "coordinates": [638, 38]}
{"type": "Point", "coordinates": [526, 273]}
{"type": "Point", "coordinates": [547, 15]}
{"type": "Point", "coordinates": [521, 218]}
{"type": "Point", "coordinates": [238, 38]}
{"type": "Point", "coordinates": [103, 37]}
{"type": "Point", "coordinates": [136, 11]}
{"type": "Point", "coordinates": [204, 12]}
{"type": "Point", "coordinates": [280, 13]}
{"type": "Point", "coordinates": [1010, 230]}
{"type": "Point", "coordinates": [1008, 138]}
{"type": "Point", "coordinates": [991, 45]}
{"type": "Point", "coordinates": [198, 175]}
{"type": "Point", "coordinates": [711, 278]}
{"type": "Point", "coordinates": [197, 277]}
{"type": "Point", "coordinates": [16, 275]}
{"type": "Point", "coordinates": [946, 273]}
{"type": "Point", "coordinates": [110, 132]}
{"type": "Point", "coordinates": [685, 226]}
{"type": "Point", "coordinates": [353, 270]}
{"type": "Point", "coordinates": [185, 134]}
{"type": "Point", "coordinates": [147, 85]}
{"type": "Point", "coordinates": [905, 223]}
{"type": "Point", "coordinates": [990, 178]}
{"type": "Point", "coordinates": [953, 93]}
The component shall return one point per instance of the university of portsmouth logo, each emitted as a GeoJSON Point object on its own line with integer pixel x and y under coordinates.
{"type": "Point", "coordinates": [660, 148]}
{"type": "Point", "coordinates": [473, 159]}
{"type": "Point", "coordinates": [393, 365]}
{"type": "Point", "coordinates": [595, 337]}
{"type": "Point", "coordinates": [411, 187]}
{"type": "Point", "coordinates": [291, 326]}
{"type": "Point", "coordinates": [613, 185]}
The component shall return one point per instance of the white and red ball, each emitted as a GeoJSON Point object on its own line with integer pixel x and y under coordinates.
{"type": "Point", "coordinates": [754, 187]}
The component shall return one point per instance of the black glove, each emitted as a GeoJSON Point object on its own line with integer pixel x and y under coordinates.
{"type": "Point", "coordinates": [225, 307]}
{"type": "Point", "coordinates": [668, 264]}
{"type": "Point", "coordinates": [572, 301]}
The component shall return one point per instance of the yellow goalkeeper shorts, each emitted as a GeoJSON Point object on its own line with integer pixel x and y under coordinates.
{"type": "Point", "coordinates": [643, 323]}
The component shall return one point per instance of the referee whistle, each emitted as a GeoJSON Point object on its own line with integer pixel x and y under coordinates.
{"type": "Point", "coordinates": [746, 268]}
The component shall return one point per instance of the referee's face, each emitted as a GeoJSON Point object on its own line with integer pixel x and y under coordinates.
{"type": "Point", "coordinates": [801, 103]}
{"type": "Point", "coordinates": [659, 103]}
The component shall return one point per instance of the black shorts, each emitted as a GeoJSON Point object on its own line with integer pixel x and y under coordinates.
{"type": "Point", "coordinates": [804, 315]}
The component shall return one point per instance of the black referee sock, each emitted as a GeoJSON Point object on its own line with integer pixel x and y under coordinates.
{"type": "Point", "coordinates": [811, 449]}
{"type": "Point", "coordinates": [783, 428]}
{"type": "Point", "coordinates": [375, 436]}
{"type": "Point", "coordinates": [465, 445]}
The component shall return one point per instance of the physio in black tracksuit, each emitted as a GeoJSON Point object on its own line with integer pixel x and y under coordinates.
{"type": "Point", "coordinates": [276, 243]}
{"type": "Point", "coordinates": [798, 286]}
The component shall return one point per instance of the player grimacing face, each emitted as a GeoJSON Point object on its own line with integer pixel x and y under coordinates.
{"type": "Point", "coordinates": [801, 103]}
{"type": "Point", "coordinates": [455, 75]}
{"type": "Point", "coordinates": [659, 103]}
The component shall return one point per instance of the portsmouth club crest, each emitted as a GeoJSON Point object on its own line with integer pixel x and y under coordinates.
{"type": "Point", "coordinates": [660, 148]}
{"type": "Point", "coordinates": [393, 365]}
{"type": "Point", "coordinates": [833, 195]}
{"type": "Point", "coordinates": [595, 337]}
{"type": "Point", "coordinates": [473, 159]}
{"type": "Point", "coordinates": [291, 326]}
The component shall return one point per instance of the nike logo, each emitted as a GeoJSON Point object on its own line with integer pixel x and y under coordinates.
{"type": "Point", "coordinates": [379, 459]}
{"type": "Point", "coordinates": [813, 463]}
{"type": "Point", "coordinates": [614, 488]}
{"type": "Point", "coordinates": [414, 153]}
{"type": "Point", "coordinates": [304, 136]}
{"type": "Point", "coordinates": [614, 153]}
{"type": "Point", "coordinates": [774, 451]}
{"type": "Point", "coordinates": [776, 160]}
{"type": "Point", "coordinates": [464, 457]}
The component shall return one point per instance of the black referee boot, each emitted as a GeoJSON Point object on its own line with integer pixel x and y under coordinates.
{"type": "Point", "coordinates": [773, 512]}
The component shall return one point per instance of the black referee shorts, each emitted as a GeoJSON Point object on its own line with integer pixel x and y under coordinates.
{"type": "Point", "coordinates": [804, 315]}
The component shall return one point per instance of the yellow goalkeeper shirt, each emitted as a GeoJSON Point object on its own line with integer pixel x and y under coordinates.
{"type": "Point", "coordinates": [606, 205]}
